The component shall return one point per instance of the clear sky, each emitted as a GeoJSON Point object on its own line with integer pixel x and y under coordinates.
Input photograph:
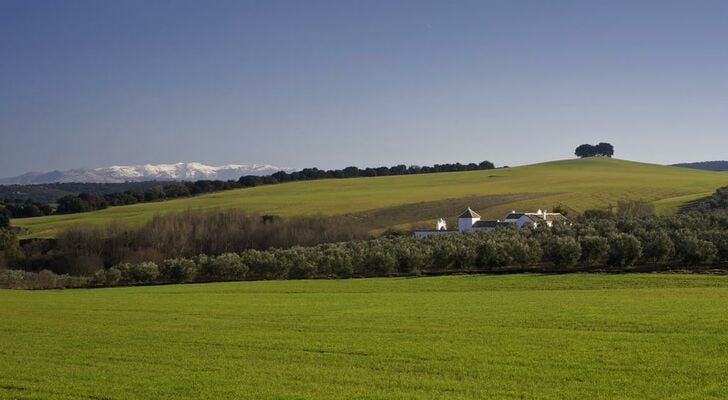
{"type": "Point", "coordinates": [366, 83]}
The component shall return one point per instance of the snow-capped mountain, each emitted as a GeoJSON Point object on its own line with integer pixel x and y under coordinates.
{"type": "Point", "coordinates": [149, 172]}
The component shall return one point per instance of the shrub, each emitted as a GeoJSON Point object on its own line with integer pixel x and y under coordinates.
{"type": "Point", "coordinates": [411, 256]}
{"type": "Point", "coordinates": [377, 260]}
{"type": "Point", "coordinates": [657, 247]}
{"type": "Point", "coordinates": [261, 264]}
{"type": "Point", "coordinates": [593, 249]}
{"type": "Point", "coordinates": [178, 270]}
{"type": "Point", "coordinates": [335, 260]}
{"type": "Point", "coordinates": [9, 246]}
{"type": "Point", "coordinates": [16, 279]}
{"type": "Point", "coordinates": [693, 250]}
{"type": "Point", "coordinates": [563, 251]}
{"type": "Point", "coordinates": [113, 276]}
{"type": "Point", "coordinates": [109, 277]}
{"type": "Point", "coordinates": [225, 267]}
{"type": "Point", "coordinates": [492, 254]}
{"type": "Point", "coordinates": [12, 278]}
{"type": "Point", "coordinates": [624, 250]}
{"type": "Point", "coordinates": [298, 261]}
{"type": "Point", "coordinates": [719, 238]}
{"type": "Point", "coordinates": [144, 272]}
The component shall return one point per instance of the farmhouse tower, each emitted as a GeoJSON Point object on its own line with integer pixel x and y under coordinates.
{"type": "Point", "coordinates": [467, 219]}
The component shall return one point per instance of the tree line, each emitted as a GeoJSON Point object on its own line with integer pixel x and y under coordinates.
{"type": "Point", "coordinates": [84, 249]}
{"type": "Point", "coordinates": [594, 242]}
{"type": "Point", "coordinates": [85, 202]}
{"type": "Point", "coordinates": [48, 193]}
{"type": "Point", "coordinates": [308, 174]}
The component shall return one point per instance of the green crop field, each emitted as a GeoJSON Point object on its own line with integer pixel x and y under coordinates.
{"type": "Point", "coordinates": [577, 184]}
{"type": "Point", "coordinates": [579, 336]}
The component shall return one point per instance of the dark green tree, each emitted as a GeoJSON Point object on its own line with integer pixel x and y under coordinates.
{"type": "Point", "coordinates": [604, 149]}
{"type": "Point", "coordinates": [624, 250]}
{"type": "Point", "coordinates": [585, 150]}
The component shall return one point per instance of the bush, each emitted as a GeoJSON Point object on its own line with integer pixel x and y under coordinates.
{"type": "Point", "coordinates": [693, 250]}
{"type": "Point", "coordinates": [144, 272]}
{"type": "Point", "coordinates": [493, 254]}
{"type": "Point", "coordinates": [563, 251]}
{"type": "Point", "coordinates": [593, 249]}
{"type": "Point", "coordinates": [16, 279]}
{"type": "Point", "coordinates": [377, 259]}
{"type": "Point", "coordinates": [178, 270]}
{"type": "Point", "coordinates": [412, 258]}
{"type": "Point", "coordinates": [261, 264]}
{"type": "Point", "coordinates": [225, 267]}
{"type": "Point", "coordinates": [9, 247]}
{"type": "Point", "coordinates": [657, 247]}
{"type": "Point", "coordinates": [298, 261]}
{"type": "Point", "coordinates": [12, 278]}
{"type": "Point", "coordinates": [624, 250]}
{"type": "Point", "coordinates": [719, 238]}
{"type": "Point", "coordinates": [334, 260]}
{"type": "Point", "coordinates": [109, 277]}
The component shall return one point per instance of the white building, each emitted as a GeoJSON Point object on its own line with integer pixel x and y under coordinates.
{"type": "Point", "coordinates": [469, 221]}
{"type": "Point", "coordinates": [533, 219]}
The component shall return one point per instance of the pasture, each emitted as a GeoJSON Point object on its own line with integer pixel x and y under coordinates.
{"type": "Point", "coordinates": [577, 184]}
{"type": "Point", "coordinates": [459, 337]}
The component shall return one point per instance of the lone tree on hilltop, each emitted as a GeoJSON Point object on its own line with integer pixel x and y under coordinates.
{"type": "Point", "coordinates": [604, 149]}
{"type": "Point", "coordinates": [600, 150]}
{"type": "Point", "coordinates": [585, 150]}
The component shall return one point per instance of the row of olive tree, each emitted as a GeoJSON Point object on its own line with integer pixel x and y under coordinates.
{"type": "Point", "coordinates": [684, 241]}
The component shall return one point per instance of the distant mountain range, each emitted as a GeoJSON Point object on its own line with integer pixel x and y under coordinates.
{"type": "Point", "coordinates": [706, 165]}
{"type": "Point", "coordinates": [137, 173]}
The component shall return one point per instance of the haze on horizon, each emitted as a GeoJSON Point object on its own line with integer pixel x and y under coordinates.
{"type": "Point", "coordinates": [337, 83]}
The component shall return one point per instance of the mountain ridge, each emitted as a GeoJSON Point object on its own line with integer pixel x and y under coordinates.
{"type": "Point", "coordinates": [181, 171]}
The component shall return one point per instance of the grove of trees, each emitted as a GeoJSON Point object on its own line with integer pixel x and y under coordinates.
{"type": "Point", "coordinates": [599, 150]}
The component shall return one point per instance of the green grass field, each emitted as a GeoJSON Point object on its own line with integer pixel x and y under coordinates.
{"type": "Point", "coordinates": [572, 336]}
{"type": "Point", "coordinates": [577, 184]}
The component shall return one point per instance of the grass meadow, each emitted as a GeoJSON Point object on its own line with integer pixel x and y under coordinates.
{"type": "Point", "coordinates": [646, 336]}
{"type": "Point", "coordinates": [577, 184]}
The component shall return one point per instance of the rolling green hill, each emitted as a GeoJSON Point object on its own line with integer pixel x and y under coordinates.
{"type": "Point", "coordinates": [575, 336]}
{"type": "Point", "coordinates": [416, 199]}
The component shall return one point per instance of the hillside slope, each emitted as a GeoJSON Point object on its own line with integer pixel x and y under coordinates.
{"type": "Point", "coordinates": [576, 184]}
{"type": "Point", "coordinates": [706, 165]}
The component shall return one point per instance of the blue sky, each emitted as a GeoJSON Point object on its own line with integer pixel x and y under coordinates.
{"type": "Point", "coordinates": [367, 83]}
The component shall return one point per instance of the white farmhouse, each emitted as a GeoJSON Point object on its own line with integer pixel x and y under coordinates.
{"type": "Point", "coordinates": [469, 221]}
{"type": "Point", "coordinates": [533, 219]}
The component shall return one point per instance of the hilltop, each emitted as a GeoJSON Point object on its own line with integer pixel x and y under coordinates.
{"type": "Point", "coordinates": [417, 199]}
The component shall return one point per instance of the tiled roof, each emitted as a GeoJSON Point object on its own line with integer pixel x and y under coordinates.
{"type": "Point", "coordinates": [469, 214]}
{"type": "Point", "coordinates": [549, 217]}
{"type": "Point", "coordinates": [490, 224]}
